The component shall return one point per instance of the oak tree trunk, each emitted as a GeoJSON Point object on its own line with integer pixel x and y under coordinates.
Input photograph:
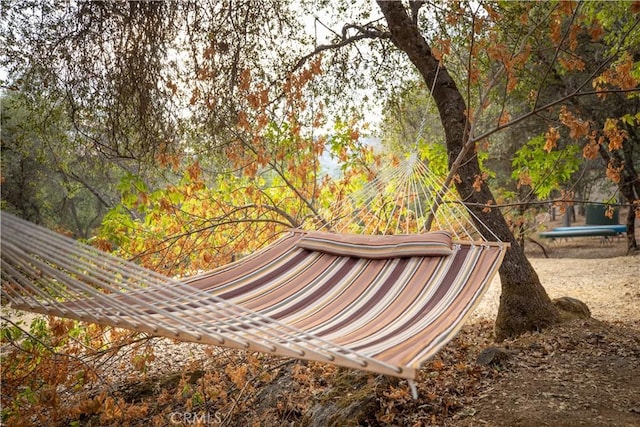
{"type": "Point", "coordinates": [524, 304]}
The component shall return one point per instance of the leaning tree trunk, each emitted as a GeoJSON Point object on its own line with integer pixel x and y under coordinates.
{"type": "Point", "coordinates": [524, 304]}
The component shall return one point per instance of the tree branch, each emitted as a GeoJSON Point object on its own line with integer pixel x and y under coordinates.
{"type": "Point", "coordinates": [525, 116]}
{"type": "Point", "coordinates": [364, 33]}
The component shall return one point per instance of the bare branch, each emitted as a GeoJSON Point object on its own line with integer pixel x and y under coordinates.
{"type": "Point", "coordinates": [364, 32]}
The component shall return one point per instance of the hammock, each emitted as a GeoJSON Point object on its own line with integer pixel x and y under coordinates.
{"type": "Point", "coordinates": [383, 304]}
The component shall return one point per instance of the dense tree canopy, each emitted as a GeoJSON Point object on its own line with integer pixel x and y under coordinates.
{"type": "Point", "coordinates": [183, 134]}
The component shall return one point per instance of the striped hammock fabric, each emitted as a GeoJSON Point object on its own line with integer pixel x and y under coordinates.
{"type": "Point", "coordinates": [383, 304]}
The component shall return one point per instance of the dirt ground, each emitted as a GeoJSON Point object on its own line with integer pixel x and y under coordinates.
{"type": "Point", "coordinates": [586, 373]}
{"type": "Point", "coordinates": [595, 272]}
{"type": "Point", "coordinates": [583, 373]}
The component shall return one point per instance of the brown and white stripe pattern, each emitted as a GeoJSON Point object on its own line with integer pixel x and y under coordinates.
{"type": "Point", "coordinates": [378, 303]}
{"type": "Point", "coordinates": [399, 310]}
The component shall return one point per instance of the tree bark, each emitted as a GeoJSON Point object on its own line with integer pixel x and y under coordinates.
{"type": "Point", "coordinates": [524, 304]}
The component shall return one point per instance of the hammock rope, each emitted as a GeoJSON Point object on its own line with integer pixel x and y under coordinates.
{"type": "Point", "coordinates": [415, 303]}
{"type": "Point", "coordinates": [408, 194]}
{"type": "Point", "coordinates": [39, 289]}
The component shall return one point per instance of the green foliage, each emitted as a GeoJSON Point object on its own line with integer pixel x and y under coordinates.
{"type": "Point", "coordinates": [346, 146]}
{"type": "Point", "coordinates": [545, 171]}
{"type": "Point", "coordinates": [435, 155]}
{"type": "Point", "coordinates": [631, 120]}
{"type": "Point", "coordinates": [49, 176]}
{"type": "Point", "coordinates": [132, 188]}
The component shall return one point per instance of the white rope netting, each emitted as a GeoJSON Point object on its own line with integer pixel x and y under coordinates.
{"type": "Point", "coordinates": [406, 198]}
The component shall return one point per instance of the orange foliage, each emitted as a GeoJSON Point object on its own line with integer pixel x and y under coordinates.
{"type": "Point", "coordinates": [172, 87]}
{"type": "Point", "coordinates": [567, 6]}
{"type": "Point", "coordinates": [592, 148]}
{"type": "Point", "coordinates": [551, 139]}
{"type": "Point", "coordinates": [619, 76]}
{"type": "Point", "coordinates": [609, 212]}
{"type": "Point", "coordinates": [577, 127]}
{"type": "Point", "coordinates": [245, 80]}
{"type": "Point", "coordinates": [168, 160]}
{"type": "Point", "coordinates": [440, 48]}
{"type": "Point", "coordinates": [524, 179]}
{"type": "Point", "coordinates": [479, 180]}
{"type": "Point", "coordinates": [556, 29]}
{"type": "Point", "coordinates": [493, 14]}
{"type": "Point", "coordinates": [596, 31]}
{"type": "Point", "coordinates": [571, 62]}
{"type": "Point", "coordinates": [614, 134]}
{"type": "Point", "coordinates": [614, 172]}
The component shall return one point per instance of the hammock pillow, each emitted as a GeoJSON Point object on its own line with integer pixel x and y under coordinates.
{"type": "Point", "coordinates": [437, 243]}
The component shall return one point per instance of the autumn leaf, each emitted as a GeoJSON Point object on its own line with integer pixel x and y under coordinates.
{"type": "Point", "coordinates": [172, 86]}
{"type": "Point", "coordinates": [567, 196]}
{"type": "Point", "coordinates": [619, 75]}
{"type": "Point", "coordinates": [194, 171]}
{"type": "Point", "coordinates": [493, 14]}
{"type": "Point", "coordinates": [440, 48]}
{"type": "Point", "coordinates": [556, 29]}
{"type": "Point", "coordinates": [551, 139]}
{"type": "Point", "coordinates": [245, 80]}
{"type": "Point", "coordinates": [479, 180]}
{"type": "Point", "coordinates": [571, 63]}
{"type": "Point", "coordinates": [577, 127]}
{"type": "Point", "coordinates": [243, 122]}
{"type": "Point", "coordinates": [208, 53]}
{"type": "Point", "coordinates": [195, 95]}
{"type": "Point", "coordinates": [474, 73]}
{"type": "Point", "coordinates": [504, 118]}
{"type": "Point", "coordinates": [614, 173]}
{"type": "Point", "coordinates": [614, 134]}
{"type": "Point", "coordinates": [609, 212]}
{"type": "Point", "coordinates": [524, 179]}
{"type": "Point", "coordinates": [591, 150]}
{"type": "Point", "coordinates": [567, 6]}
{"type": "Point", "coordinates": [624, 72]}
{"type": "Point", "coordinates": [596, 31]}
{"type": "Point", "coordinates": [437, 365]}
{"type": "Point", "coordinates": [237, 374]}
{"type": "Point", "coordinates": [573, 37]}
{"type": "Point", "coordinates": [461, 366]}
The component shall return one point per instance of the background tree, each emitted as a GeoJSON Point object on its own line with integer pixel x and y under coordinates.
{"type": "Point", "coordinates": [586, 46]}
{"type": "Point", "coordinates": [49, 177]}
{"type": "Point", "coordinates": [464, 129]}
